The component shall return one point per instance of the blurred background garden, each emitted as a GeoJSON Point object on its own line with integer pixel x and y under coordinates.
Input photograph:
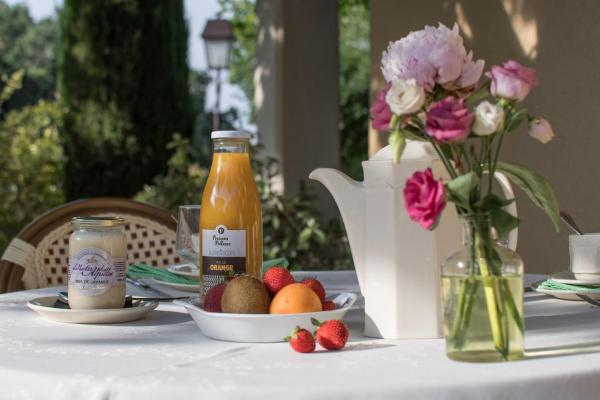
{"type": "Point", "coordinates": [99, 99]}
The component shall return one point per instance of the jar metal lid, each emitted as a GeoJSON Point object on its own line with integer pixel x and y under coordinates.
{"type": "Point", "coordinates": [98, 222]}
{"type": "Point", "coordinates": [230, 135]}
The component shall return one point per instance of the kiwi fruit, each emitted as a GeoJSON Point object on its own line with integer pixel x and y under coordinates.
{"type": "Point", "coordinates": [245, 295]}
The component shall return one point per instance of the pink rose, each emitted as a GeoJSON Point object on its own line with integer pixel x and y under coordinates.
{"type": "Point", "coordinates": [512, 80]}
{"type": "Point", "coordinates": [449, 120]}
{"type": "Point", "coordinates": [541, 130]}
{"type": "Point", "coordinates": [380, 111]}
{"type": "Point", "coordinates": [424, 198]}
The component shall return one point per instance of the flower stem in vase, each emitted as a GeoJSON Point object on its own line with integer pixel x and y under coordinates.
{"type": "Point", "coordinates": [490, 289]}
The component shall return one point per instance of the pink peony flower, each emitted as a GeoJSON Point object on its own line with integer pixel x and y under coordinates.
{"type": "Point", "coordinates": [541, 130]}
{"type": "Point", "coordinates": [380, 111]}
{"type": "Point", "coordinates": [430, 56]}
{"type": "Point", "coordinates": [448, 120]}
{"type": "Point", "coordinates": [512, 81]}
{"type": "Point", "coordinates": [424, 198]}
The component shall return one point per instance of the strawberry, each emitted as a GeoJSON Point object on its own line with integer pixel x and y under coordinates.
{"type": "Point", "coordinates": [301, 340]}
{"type": "Point", "coordinates": [276, 278]}
{"type": "Point", "coordinates": [328, 305]}
{"type": "Point", "coordinates": [316, 286]}
{"type": "Point", "coordinates": [332, 334]}
{"type": "Point", "coordinates": [212, 300]}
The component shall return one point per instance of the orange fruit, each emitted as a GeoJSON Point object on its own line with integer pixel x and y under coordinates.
{"type": "Point", "coordinates": [295, 298]}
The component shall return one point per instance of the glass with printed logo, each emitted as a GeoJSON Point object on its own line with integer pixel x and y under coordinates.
{"type": "Point", "coordinates": [230, 216]}
{"type": "Point", "coordinates": [97, 263]}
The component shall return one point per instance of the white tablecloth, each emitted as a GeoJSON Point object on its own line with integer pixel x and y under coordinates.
{"type": "Point", "coordinates": [166, 356]}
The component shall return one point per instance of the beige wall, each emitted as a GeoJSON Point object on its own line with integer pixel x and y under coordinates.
{"type": "Point", "coordinates": [296, 83]}
{"type": "Point", "coordinates": [561, 41]}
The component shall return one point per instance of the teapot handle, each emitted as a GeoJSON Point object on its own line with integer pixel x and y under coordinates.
{"type": "Point", "coordinates": [508, 192]}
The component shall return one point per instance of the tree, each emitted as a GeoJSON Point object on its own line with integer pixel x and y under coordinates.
{"type": "Point", "coordinates": [243, 58]}
{"type": "Point", "coordinates": [354, 84]}
{"type": "Point", "coordinates": [31, 161]}
{"type": "Point", "coordinates": [30, 47]}
{"type": "Point", "coordinates": [123, 79]}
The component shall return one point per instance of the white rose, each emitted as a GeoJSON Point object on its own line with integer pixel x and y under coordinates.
{"type": "Point", "coordinates": [488, 118]}
{"type": "Point", "coordinates": [405, 97]}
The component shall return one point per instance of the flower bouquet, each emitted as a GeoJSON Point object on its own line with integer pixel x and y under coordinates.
{"type": "Point", "coordinates": [435, 93]}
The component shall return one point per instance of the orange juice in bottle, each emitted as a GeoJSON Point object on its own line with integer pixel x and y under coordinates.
{"type": "Point", "coordinates": [230, 214]}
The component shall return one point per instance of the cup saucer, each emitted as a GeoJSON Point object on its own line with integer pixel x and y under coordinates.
{"type": "Point", "coordinates": [570, 278]}
{"type": "Point", "coordinates": [47, 308]}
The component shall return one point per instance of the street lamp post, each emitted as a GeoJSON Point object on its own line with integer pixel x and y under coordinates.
{"type": "Point", "coordinates": [218, 40]}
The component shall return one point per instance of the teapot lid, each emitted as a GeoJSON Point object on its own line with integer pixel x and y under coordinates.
{"type": "Point", "coordinates": [414, 150]}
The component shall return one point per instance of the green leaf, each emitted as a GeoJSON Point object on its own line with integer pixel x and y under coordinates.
{"type": "Point", "coordinates": [503, 222]}
{"type": "Point", "coordinates": [398, 143]}
{"type": "Point", "coordinates": [305, 235]}
{"type": "Point", "coordinates": [460, 188]}
{"type": "Point", "coordinates": [516, 120]}
{"type": "Point", "coordinates": [535, 186]}
{"type": "Point", "coordinates": [492, 202]}
{"type": "Point", "coordinates": [410, 135]}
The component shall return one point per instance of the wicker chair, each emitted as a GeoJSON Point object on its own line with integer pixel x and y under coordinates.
{"type": "Point", "coordinates": [38, 255]}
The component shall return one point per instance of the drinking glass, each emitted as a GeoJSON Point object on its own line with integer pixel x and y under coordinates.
{"type": "Point", "coordinates": [187, 243]}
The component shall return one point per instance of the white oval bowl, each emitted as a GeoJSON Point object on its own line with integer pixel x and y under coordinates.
{"type": "Point", "coordinates": [261, 328]}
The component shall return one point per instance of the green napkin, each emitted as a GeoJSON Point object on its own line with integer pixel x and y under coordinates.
{"type": "Point", "coordinates": [141, 270]}
{"type": "Point", "coordinates": [137, 271]}
{"type": "Point", "coordinates": [550, 284]}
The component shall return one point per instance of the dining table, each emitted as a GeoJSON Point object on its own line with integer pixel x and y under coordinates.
{"type": "Point", "coordinates": [165, 356]}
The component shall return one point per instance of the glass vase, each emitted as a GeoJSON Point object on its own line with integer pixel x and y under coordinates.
{"type": "Point", "coordinates": [482, 291]}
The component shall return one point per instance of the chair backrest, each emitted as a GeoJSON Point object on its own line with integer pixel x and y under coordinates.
{"type": "Point", "coordinates": [38, 255]}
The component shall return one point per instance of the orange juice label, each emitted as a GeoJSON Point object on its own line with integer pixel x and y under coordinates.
{"type": "Point", "coordinates": [223, 254]}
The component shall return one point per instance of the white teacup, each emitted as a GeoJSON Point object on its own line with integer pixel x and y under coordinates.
{"type": "Point", "coordinates": [584, 251]}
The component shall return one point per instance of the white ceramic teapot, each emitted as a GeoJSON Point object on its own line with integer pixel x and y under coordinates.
{"type": "Point", "coordinates": [397, 262]}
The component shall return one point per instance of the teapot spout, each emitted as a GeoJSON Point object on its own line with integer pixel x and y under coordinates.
{"type": "Point", "coordinates": [349, 195]}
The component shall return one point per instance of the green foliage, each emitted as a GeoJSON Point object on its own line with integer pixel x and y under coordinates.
{"type": "Point", "coordinates": [10, 84]}
{"type": "Point", "coordinates": [123, 77]}
{"type": "Point", "coordinates": [28, 46]}
{"type": "Point", "coordinates": [31, 165]}
{"type": "Point", "coordinates": [181, 184]}
{"type": "Point", "coordinates": [291, 225]}
{"type": "Point", "coordinates": [354, 83]}
{"type": "Point", "coordinates": [243, 58]}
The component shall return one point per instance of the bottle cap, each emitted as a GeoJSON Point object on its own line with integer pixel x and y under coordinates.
{"type": "Point", "coordinates": [230, 135]}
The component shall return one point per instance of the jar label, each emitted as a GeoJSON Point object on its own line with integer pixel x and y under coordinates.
{"type": "Point", "coordinates": [93, 271]}
{"type": "Point", "coordinates": [223, 254]}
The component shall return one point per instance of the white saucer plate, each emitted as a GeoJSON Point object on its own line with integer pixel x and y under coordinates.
{"type": "Point", "coordinates": [45, 307]}
{"type": "Point", "coordinates": [565, 294]}
{"type": "Point", "coordinates": [261, 328]}
{"type": "Point", "coordinates": [569, 277]}
{"type": "Point", "coordinates": [178, 286]}
{"type": "Point", "coordinates": [188, 270]}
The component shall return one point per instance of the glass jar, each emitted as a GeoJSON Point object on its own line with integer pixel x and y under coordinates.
{"type": "Point", "coordinates": [482, 291]}
{"type": "Point", "coordinates": [97, 263]}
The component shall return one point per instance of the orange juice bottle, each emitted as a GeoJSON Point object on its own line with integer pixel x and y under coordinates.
{"type": "Point", "coordinates": [230, 213]}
